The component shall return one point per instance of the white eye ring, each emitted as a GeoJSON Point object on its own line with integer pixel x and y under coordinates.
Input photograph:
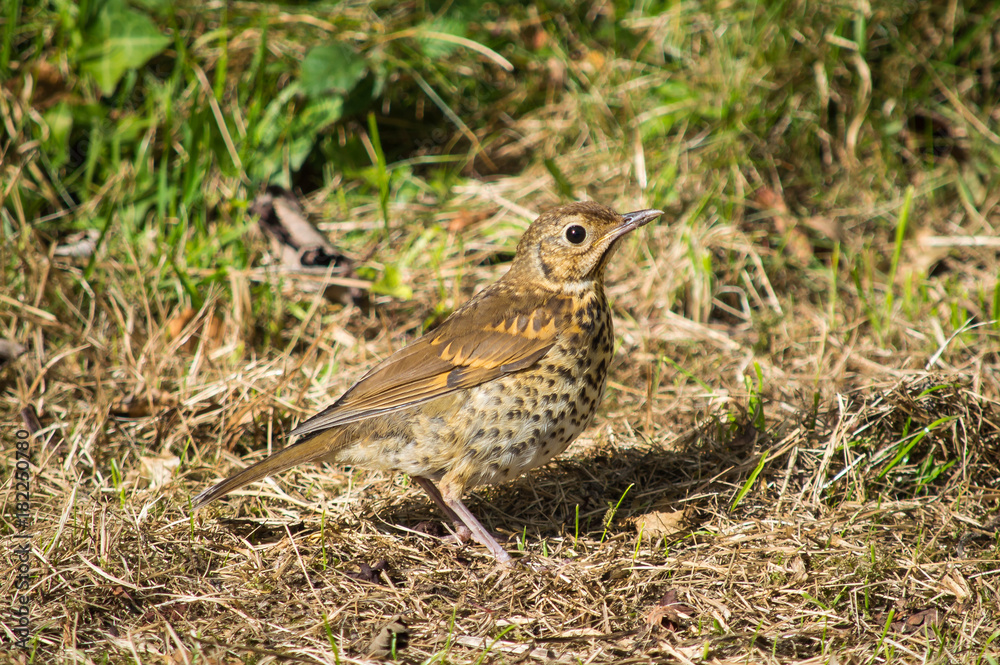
{"type": "Point", "coordinates": [575, 234]}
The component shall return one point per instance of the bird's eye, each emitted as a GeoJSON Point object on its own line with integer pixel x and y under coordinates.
{"type": "Point", "coordinates": [576, 234]}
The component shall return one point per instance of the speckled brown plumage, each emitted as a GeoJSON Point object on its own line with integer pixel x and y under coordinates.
{"type": "Point", "coordinates": [506, 383]}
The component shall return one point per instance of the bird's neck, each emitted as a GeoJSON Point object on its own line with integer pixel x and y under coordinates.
{"type": "Point", "coordinates": [580, 288]}
{"type": "Point", "coordinates": [539, 280]}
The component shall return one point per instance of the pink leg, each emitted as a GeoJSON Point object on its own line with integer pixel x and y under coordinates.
{"type": "Point", "coordinates": [466, 524]}
{"type": "Point", "coordinates": [479, 532]}
{"type": "Point", "coordinates": [462, 532]}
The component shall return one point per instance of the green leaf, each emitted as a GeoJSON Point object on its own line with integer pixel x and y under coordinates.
{"type": "Point", "coordinates": [311, 120]}
{"type": "Point", "coordinates": [118, 39]}
{"type": "Point", "coordinates": [360, 100]}
{"type": "Point", "coordinates": [391, 284]}
{"type": "Point", "coordinates": [335, 68]}
{"type": "Point", "coordinates": [288, 131]}
{"type": "Point", "coordinates": [59, 120]}
{"type": "Point", "coordinates": [429, 36]}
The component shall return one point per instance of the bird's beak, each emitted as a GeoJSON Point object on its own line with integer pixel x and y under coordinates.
{"type": "Point", "coordinates": [633, 220]}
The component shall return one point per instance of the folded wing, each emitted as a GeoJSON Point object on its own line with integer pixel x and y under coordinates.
{"type": "Point", "coordinates": [486, 346]}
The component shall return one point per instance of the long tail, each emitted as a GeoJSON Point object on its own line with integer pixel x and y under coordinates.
{"type": "Point", "coordinates": [310, 450]}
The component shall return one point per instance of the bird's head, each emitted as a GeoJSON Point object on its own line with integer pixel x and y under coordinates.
{"type": "Point", "coordinates": [569, 246]}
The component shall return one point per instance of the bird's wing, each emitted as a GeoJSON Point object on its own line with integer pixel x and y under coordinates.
{"type": "Point", "coordinates": [476, 345]}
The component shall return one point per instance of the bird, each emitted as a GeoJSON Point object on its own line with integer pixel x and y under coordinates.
{"type": "Point", "coordinates": [501, 386]}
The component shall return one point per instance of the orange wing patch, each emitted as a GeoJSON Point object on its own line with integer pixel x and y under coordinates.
{"type": "Point", "coordinates": [540, 324]}
{"type": "Point", "coordinates": [452, 358]}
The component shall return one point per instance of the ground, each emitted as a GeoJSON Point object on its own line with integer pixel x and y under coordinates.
{"type": "Point", "coordinates": [798, 455]}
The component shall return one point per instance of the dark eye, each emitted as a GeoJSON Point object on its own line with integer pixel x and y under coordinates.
{"type": "Point", "coordinates": [576, 234]}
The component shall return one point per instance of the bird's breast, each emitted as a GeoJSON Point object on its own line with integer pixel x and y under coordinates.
{"type": "Point", "coordinates": [524, 419]}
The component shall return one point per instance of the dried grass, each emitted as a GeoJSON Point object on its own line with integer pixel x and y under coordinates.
{"type": "Point", "coordinates": [814, 562]}
{"type": "Point", "coordinates": [837, 552]}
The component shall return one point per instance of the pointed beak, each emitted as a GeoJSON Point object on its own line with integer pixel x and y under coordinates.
{"type": "Point", "coordinates": [633, 220]}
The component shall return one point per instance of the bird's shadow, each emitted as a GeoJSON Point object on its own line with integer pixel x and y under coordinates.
{"type": "Point", "coordinates": [579, 495]}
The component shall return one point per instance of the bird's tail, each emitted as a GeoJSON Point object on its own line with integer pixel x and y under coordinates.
{"type": "Point", "coordinates": [311, 450]}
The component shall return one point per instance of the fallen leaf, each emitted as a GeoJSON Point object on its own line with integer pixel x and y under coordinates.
{"type": "Point", "coordinates": [300, 247]}
{"type": "Point", "coordinates": [371, 574]}
{"type": "Point", "coordinates": [533, 33]}
{"type": "Point", "coordinates": [556, 69]}
{"type": "Point", "coordinates": [586, 631]}
{"type": "Point", "coordinates": [390, 639]}
{"type": "Point", "coordinates": [669, 612]}
{"type": "Point", "coordinates": [78, 245]}
{"type": "Point", "coordinates": [768, 198]}
{"type": "Point", "coordinates": [956, 584]}
{"type": "Point", "coordinates": [48, 87]}
{"type": "Point", "coordinates": [919, 620]}
{"type": "Point", "coordinates": [176, 325]}
{"type": "Point", "coordinates": [825, 226]}
{"type": "Point", "coordinates": [9, 351]}
{"type": "Point", "coordinates": [797, 242]}
{"type": "Point", "coordinates": [657, 523]}
{"type": "Point", "coordinates": [920, 256]}
{"type": "Point", "coordinates": [210, 329]}
{"type": "Point", "coordinates": [797, 570]}
{"type": "Point", "coordinates": [464, 219]}
{"type": "Point", "coordinates": [159, 470]}
{"type": "Point", "coordinates": [932, 135]}
{"type": "Point", "coordinates": [430, 528]}
{"type": "Point", "coordinates": [594, 60]}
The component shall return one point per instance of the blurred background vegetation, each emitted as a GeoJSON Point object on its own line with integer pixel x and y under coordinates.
{"type": "Point", "coordinates": [155, 122]}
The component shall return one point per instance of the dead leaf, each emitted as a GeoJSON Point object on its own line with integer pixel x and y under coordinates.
{"type": "Point", "coordinates": [213, 329]}
{"type": "Point", "coordinates": [919, 620]}
{"type": "Point", "coordinates": [556, 73]}
{"type": "Point", "coordinates": [176, 325]}
{"type": "Point", "coordinates": [920, 256]}
{"type": "Point", "coordinates": [300, 247]}
{"type": "Point", "coordinates": [465, 218]}
{"type": "Point", "coordinates": [78, 245]}
{"type": "Point", "coordinates": [393, 637]}
{"type": "Point", "coordinates": [9, 351]}
{"type": "Point", "coordinates": [159, 470]}
{"type": "Point", "coordinates": [46, 82]}
{"type": "Point", "coordinates": [825, 226]}
{"type": "Point", "coordinates": [658, 524]}
{"type": "Point", "coordinates": [176, 657]}
{"type": "Point", "coordinates": [798, 570]}
{"type": "Point", "coordinates": [797, 242]}
{"type": "Point", "coordinates": [768, 198]}
{"type": "Point", "coordinates": [30, 418]}
{"type": "Point", "coordinates": [587, 631]}
{"type": "Point", "coordinates": [669, 613]}
{"type": "Point", "coordinates": [533, 33]}
{"type": "Point", "coordinates": [956, 584]}
{"type": "Point", "coordinates": [210, 329]}
{"type": "Point", "coordinates": [593, 61]}
{"type": "Point", "coordinates": [371, 574]}
{"type": "Point", "coordinates": [932, 135]}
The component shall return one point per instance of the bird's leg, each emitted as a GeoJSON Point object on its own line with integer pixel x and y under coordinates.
{"type": "Point", "coordinates": [452, 499]}
{"type": "Point", "coordinates": [462, 532]}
